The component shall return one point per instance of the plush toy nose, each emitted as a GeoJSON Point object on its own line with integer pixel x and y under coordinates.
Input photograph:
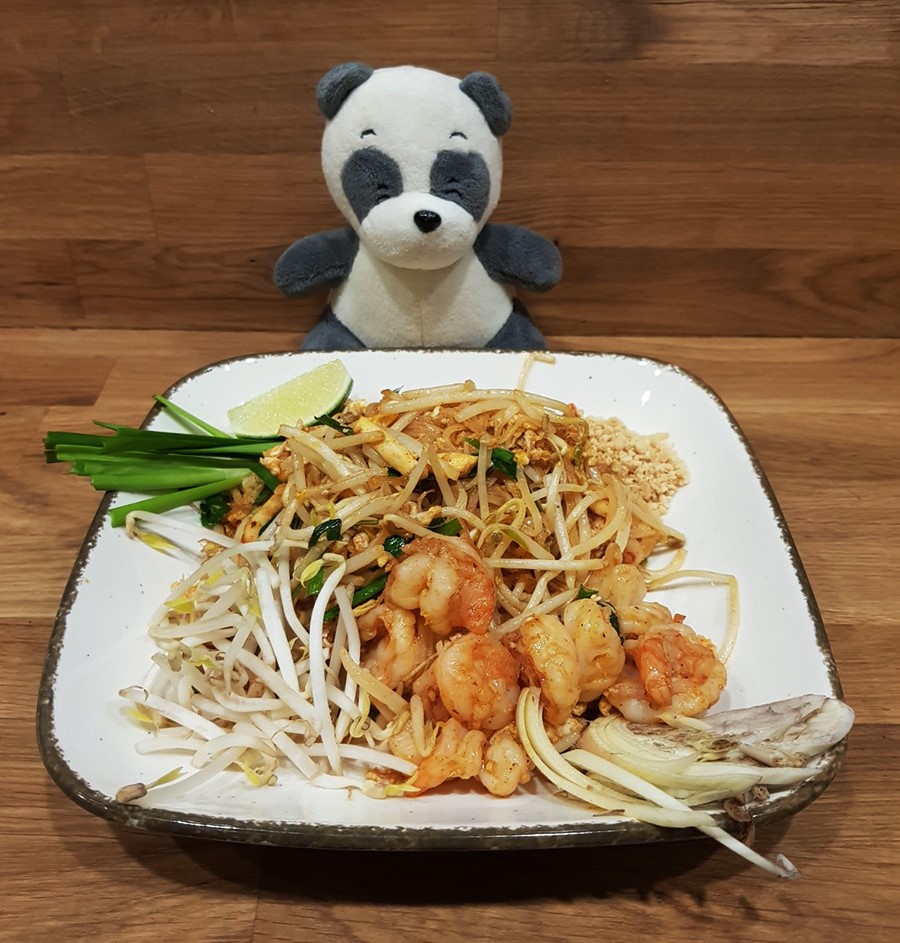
{"type": "Point", "coordinates": [427, 220]}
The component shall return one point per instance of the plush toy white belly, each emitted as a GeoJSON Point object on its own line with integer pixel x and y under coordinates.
{"type": "Point", "coordinates": [386, 306]}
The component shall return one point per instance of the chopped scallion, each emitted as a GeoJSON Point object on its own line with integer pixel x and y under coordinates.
{"type": "Point", "coordinates": [332, 423]}
{"type": "Point", "coordinates": [213, 510]}
{"type": "Point", "coordinates": [446, 526]}
{"type": "Point", "coordinates": [395, 544]}
{"type": "Point", "coordinates": [502, 460]}
{"type": "Point", "coordinates": [363, 594]}
{"type": "Point", "coordinates": [330, 530]}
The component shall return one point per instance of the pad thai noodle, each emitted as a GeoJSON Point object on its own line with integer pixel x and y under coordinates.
{"type": "Point", "coordinates": [447, 584]}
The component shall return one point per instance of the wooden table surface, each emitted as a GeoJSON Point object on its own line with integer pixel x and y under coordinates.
{"type": "Point", "coordinates": [723, 180]}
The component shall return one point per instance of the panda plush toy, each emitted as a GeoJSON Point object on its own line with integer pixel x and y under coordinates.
{"type": "Point", "coordinates": [412, 158]}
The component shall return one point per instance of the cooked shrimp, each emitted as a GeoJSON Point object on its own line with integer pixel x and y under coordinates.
{"type": "Point", "coordinates": [447, 586]}
{"type": "Point", "coordinates": [477, 680]}
{"type": "Point", "coordinates": [629, 697]}
{"type": "Point", "coordinates": [505, 763]}
{"type": "Point", "coordinates": [457, 754]}
{"type": "Point", "coordinates": [600, 654]}
{"type": "Point", "coordinates": [426, 686]}
{"type": "Point", "coordinates": [402, 743]}
{"type": "Point", "coordinates": [680, 669]}
{"type": "Point", "coordinates": [401, 646]}
{"type": "Point", "coordinates": [634, 621]}
{"type": "Point", "coordinates": [675, 671]}
{"type": "Point", "coordinates": [548, 658]}
{"type": "Point", "coordinates": [620, 585]}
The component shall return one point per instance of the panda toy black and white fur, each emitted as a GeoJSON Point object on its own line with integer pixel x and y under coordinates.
{"type": "Point", "coordinates": [412, 158]}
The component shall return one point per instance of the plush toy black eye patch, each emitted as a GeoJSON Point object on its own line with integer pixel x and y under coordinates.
{"type": "Point", "coordinates": [463, 179]}
{"type": "Point", "coordinates": [370, 177]}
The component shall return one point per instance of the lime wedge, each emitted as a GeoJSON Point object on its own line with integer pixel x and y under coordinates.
{"type": "Point", "coordinates": [295, 403]}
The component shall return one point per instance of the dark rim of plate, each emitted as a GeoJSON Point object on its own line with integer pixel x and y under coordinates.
{"type": "Point", "coordinates": [603, 831]}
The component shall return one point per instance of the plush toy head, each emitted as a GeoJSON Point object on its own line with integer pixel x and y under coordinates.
{"type": "Point", "coordinates": [412, 158]}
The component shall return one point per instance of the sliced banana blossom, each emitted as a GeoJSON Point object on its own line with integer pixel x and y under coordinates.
{"type": "Point", "coordinates": [629, 768]}
{"type": "Point", "coordinates": [726, 754]}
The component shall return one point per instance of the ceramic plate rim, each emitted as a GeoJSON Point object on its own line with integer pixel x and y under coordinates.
{"type": "Point", "coordinates": [404, 838]}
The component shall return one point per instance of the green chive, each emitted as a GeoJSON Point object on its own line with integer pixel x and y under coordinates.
{"type": "Point", "coordinates": [175, 499]}
{"type": "Point", "coordinates": [186, 466]}
{"type": "Point", "coordinates": [170, 480]}
{"type": "Point", "coordinates": [265, 476]}
{"type": "Point", "coordinates": [363, 594]}
{"type": "Point", "coordinates": [447, 526]}
{"type": "Point", "coordinates": [502, 460]}
{"type": "Point", "coordinates": [395, 544]}
{"type": "Point", "coordinates": [213, 510]}
{"type": "Point", "coordinates": [315, 583]}
{"type": "Point", "coordinates": [187, 417]}
{"type": "Point", "coordinates": [332, 423]}
{"type": "Point", "coordinates": [331, 530]}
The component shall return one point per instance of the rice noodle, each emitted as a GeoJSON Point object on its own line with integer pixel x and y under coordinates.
{"type": "Point", "coordinates": [271, 651]}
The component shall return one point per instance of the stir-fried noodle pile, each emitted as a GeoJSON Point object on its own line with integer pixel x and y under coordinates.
{"type": "Point", "coordinates": [439, 574]}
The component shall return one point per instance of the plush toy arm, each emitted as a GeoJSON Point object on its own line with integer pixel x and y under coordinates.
{"type": "Point", "coordinates": [517, 256]}
{"type": "Point", "coordinates": [317, 261]}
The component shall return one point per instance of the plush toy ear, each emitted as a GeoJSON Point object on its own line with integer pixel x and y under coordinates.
{"type": "Point", "coordinates": [334, 87]}
{"type": "Point", "coordinates": [494, 103]}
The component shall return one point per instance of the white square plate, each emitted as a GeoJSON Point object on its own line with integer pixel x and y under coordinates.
{"type": "Point", "coordinates": [727, 511]}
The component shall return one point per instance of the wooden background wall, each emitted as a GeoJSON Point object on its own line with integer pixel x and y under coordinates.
{"type": "Point", "coordinates": [700, 175]}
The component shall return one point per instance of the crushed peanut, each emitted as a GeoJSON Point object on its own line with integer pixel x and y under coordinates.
{"type": "Point", "coordinates": [646, 463]}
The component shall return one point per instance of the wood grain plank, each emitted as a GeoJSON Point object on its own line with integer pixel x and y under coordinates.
{"type": "Point", "coordinates": [261, 100]}
{"type": "Point", "coordinates": [857, 646]}
{"type": "Point", "coordinates": [838, 438]}
{"type": "Point", "coordinates": [822, 33]}
{"type": "Point", "coordinates": [605, 291]}
{"type": "Point", "coordinates": [61, 195]}
{"type": "Point", "coordinates": [575, 30]}
{"type": "Point", "coordinates": [34, 112]}
{"type": "Point", "coordinates": [678, 205]}
{"type": "Point", "coordinates": [99, 25]}
{"type": "Point", "coordinates": [775, 31]}
{"type": "Point", "coordinates": [206, 198]}
{"type": "Point", "coordinates": [202, 287]}
{"type": "Point", "coordinates": [32, 494]}
{"type": "Point", "coordinates": [328, 32]}
{"type": "Point", "coordinates": [39, 287]}
{"type": "Point", "coordinates": [393, 34]}
{"type": "Point", "coordinates": [638, 110]}
{"type": "Point", "coordinates": [255, 98]}
{"type": "Point", "coordinates": [241, 100]}
{"type": "Point", "coordinates": [706, 205]}
{"type": "Point", "coordinates": [27, 385]}
{"type": "Point", "coordinates": [612, 290]}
